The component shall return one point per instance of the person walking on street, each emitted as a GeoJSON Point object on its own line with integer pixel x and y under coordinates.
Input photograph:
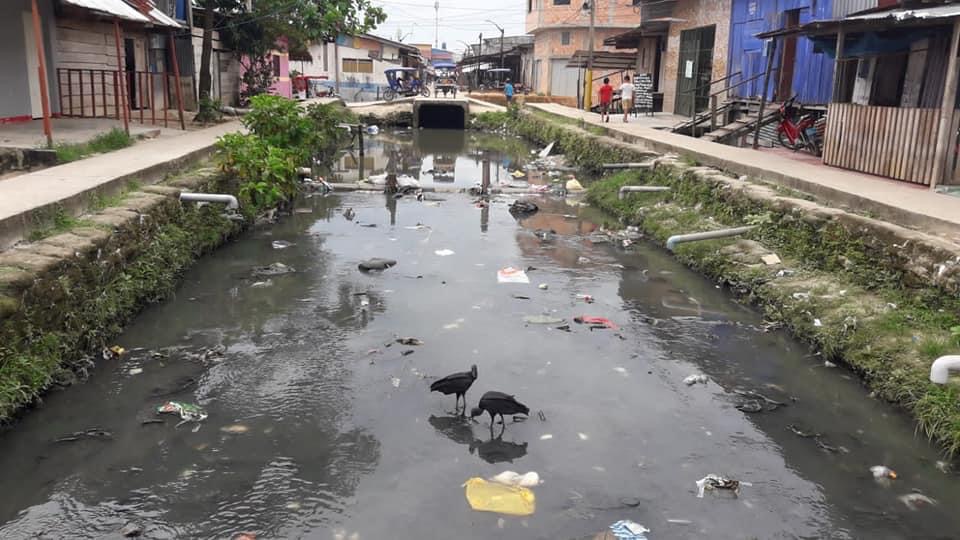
{"type": "Point", "coordinates": [606, 96]}
{"type": "Point", "coordinates": [626, 96]}
{"type": "Point", "coordinates": [508, 91]}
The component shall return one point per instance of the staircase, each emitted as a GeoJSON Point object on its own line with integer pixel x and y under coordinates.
{"type": "Point", "coordinates": [744, 125]}
{"type": "Point", "coordinates": [701, 121]}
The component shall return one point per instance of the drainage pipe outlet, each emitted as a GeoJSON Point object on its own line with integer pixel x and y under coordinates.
{"type": "Point", "coordinates": [941, 368]}
{"type": "Point", "coordinates": [229, 200]}
{"type": "Point", "coordinates": [708, 235]}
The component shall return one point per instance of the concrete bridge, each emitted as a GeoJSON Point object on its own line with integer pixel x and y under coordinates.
{"type": "Point", "coordinates": [441, 112]}
{"type": "Point", "coordinates": [425, 112]}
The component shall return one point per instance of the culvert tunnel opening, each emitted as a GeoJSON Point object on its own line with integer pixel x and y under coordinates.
{"type": "Point", "coordinates": [442, 116]}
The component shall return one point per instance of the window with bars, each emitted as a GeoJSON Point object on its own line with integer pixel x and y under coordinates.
{"type": "Point", "coordinates": [357, 65]}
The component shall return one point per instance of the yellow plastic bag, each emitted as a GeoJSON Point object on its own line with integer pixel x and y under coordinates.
{"type": "Point", "coordinates": [486, 496]}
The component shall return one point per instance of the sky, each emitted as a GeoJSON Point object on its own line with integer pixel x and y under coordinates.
{"type": "Point", "coordinates": [460, 20]}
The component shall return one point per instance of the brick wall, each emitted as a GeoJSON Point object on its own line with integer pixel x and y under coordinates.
{"type": "Point", "coordinates": [695, 14]}
{"type": "Point", "coordinates": [612, 13]}
{"type": "Point", "coordinates": [548, 45]}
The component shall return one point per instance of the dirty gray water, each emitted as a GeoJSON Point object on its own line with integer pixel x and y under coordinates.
{"type": "Point", "coordinates": [318, 429]}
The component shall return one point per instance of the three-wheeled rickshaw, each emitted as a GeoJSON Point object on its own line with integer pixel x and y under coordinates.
{"type": "Point", "coordinates": [404, 82]}
{"type": "Point", "coordinates": [446, 79]}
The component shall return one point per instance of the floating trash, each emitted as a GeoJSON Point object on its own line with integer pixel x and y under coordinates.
{"type": "Point", "coordinates": [188, 412]}
{"type": "Point", "coordinates": [697, 378]}
{"type": "Point", "coordinates": [511, 478]}
{"type": "Point", "coordinates": [512, 275]}
{"type": "Point", "coordinates": [486, 496]}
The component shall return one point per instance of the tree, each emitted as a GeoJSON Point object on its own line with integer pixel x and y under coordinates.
{"type": "Point", "coordinates": [253, 33]}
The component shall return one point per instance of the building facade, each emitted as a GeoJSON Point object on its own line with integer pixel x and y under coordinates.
{"type": "Point", "coordinates": [356, 64]}
{"type": "Point", "coordinates": [561, 28]}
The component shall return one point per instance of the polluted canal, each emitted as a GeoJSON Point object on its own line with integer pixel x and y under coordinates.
{"type": "Point", "coordinates": [320, 424]}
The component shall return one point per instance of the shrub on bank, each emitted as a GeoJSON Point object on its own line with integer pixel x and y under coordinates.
{"type": "Point", "coordinates": [282, 137]}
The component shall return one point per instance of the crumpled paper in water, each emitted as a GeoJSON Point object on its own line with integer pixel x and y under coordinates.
{"type": "Point", "coordinates": [715, 481]}
{"type": "Point", "coordinates": [512, 275]}
{"type": "Point", "coordinates": [629, 530]}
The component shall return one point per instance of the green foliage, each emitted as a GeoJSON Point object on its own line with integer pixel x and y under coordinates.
{"type": "Point", "coordinates": [58, 221]}
{"type": "Point", "coordinates": [282, 138]}
{"type": "Point", "coordinates": [208, 111]}
{"type": "Point", "coordinates": [114, 139]}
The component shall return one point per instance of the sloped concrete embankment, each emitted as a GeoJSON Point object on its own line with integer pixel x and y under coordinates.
{"type": "Point", "coordinates": [64, 297]}
{"type": "Point", "coordinates": [878, 297]}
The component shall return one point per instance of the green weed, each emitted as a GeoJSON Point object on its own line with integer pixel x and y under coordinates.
{"type": "Point", "coordinates": [114, 139]}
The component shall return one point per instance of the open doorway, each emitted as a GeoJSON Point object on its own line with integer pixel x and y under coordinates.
{"type": "Point", "coordinates": [788, 58]}
{"type": "Point", "coordinates": [130, 67]}
{"type": "Point", "coordinates": [694, 70]}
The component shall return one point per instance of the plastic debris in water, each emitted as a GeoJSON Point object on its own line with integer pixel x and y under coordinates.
{"type": "Point", "coordinates": [280, 244]}
{"type": "Point", "coordinates": [586, 298]}
{"type": "Point", "coordinates": [511, 478]}
{"type": "Point", "coordinates": [262, 284]}
{"type": "Point", "coordinates": [583, 436]}
{"type": "Point", "coordinates": [543, 286]}
{"type": "Point", "coordinates": [583, 260]}
{"type": "Point", "coordinates": [697, 378]}
{"type": "Point", "coordinates": [409, 341]}
{"type": "Point", "coordinates": [882, 471]}
{"type": "Point", "coordinates": [916, 501]}
{"type": "Point", "coordinates": [188, 412]}
{"type": "Point", "coordinates": [714, 481]}
{"type": "Point", "coordinates": [135, 371]}
{"type": "Point", "coordinates": [546, 437]}
{"type": "Point", "coordinates": [512, 275]}
{"type": "Point", "coordinates": [620, 370]}
{"type": "Point", "coordinates": [486, 496]}
{"type": "Point", "coordinates": [235, 429]}
{"type": "Point", "coordinates": [629, 530]}
{"type": "Point", "coordinates": [113, 352]}
{"type": "Point", "coordinates": [596, 321]}
{"type": "Point", "coordinates": [541, 319]}
{"type": "Point", "coordinates": [444, 252]}
{"type": "Point", "coordinates": [395, 382]}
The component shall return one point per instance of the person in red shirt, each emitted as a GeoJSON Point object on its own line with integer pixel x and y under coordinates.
{"type": "Point", "coordinates": [606, 96]}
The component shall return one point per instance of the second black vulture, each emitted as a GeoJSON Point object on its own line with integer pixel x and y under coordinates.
{"type": "Point", "coordinates": [456, 383]}
{"type": "Point", "coordinates": [496, 403]}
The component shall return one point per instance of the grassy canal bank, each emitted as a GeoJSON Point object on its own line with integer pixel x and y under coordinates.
{"type": "Point", "coordinates": [73, 287]}
{"type": "Point", "coordinates": [878, 298]}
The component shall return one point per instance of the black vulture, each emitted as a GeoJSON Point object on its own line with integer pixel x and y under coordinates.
{"type": "Point", "coordinates": [499, 403]}
{"type": "Point", "coordinates": [456, 383]}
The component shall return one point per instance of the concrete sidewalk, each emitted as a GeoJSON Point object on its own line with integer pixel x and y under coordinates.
{"type": "Point", "coordinates": [908, 205]}
{"type": "Point", "coordinates": [23, 197]}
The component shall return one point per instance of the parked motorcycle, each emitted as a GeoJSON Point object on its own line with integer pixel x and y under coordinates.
{"type": "Point", "coordinates": [797, 130]}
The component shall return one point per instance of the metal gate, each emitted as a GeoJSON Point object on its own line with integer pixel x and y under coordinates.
{"type": "Point", "coordinates": [563, 80]}
{"type": "Point", "coordinates": [694, 70]}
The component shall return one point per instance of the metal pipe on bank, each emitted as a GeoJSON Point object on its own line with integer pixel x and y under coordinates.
{"type": "Point", "coordinates": [229, 200]}
{"type": "Point", "coordinates": [708, 235]}
{"type": "Point", "coordinates": [640, 189]}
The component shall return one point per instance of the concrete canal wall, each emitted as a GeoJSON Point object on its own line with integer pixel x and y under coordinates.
{"type": "Point", "coordinates": [63, 297]}
{"type": "Point", "coordinates": [880, 298]}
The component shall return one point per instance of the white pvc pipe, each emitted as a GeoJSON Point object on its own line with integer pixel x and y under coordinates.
{"type": "Point", "coordinates": [229, 200]}
{"type": "Point", "coordinates": [941, 368]}
{"type": "Point", "coordinates": [708, 235]}
{"type": "Point", "coordinates": [641, 189]}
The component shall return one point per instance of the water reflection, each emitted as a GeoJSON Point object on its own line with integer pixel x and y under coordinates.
{"type": "Point", "coordinates": [436, 157]}
{"type": "Point", "coordinates": [459, 429]}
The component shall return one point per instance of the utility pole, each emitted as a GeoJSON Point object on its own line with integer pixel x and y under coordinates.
{"type": "Point", "coordinates": [479, 54]}
{"type": "Point", "coordinates": [588, 79]}
{"type": "Point", "coordinates": [436, 24]}
{"type": "Point", "coordinates": [500, 28]}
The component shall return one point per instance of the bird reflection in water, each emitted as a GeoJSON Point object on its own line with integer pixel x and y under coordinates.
{"type": "Point", "coordinates": [459, 429]}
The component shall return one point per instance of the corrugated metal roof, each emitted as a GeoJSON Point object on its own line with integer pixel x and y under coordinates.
{"type": "Point", "coordinates": [123, 10]}
{"type": "Point", "coordinates": [161, 18]}
{"type": "Point", "coordinates": [116, 8]}
{"type": "Point", "coordinates": [939, 12]}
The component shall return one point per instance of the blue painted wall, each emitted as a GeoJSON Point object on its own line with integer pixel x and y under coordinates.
{"type": "Point", "coordinates": [813, 72]}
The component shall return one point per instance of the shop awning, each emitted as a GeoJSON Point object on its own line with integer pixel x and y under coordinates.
{"type": "Point", "coordinates": [604, 60]}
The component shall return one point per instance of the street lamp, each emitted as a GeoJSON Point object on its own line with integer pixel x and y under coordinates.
{"type": "Point", "coordinates": [500, 28]}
